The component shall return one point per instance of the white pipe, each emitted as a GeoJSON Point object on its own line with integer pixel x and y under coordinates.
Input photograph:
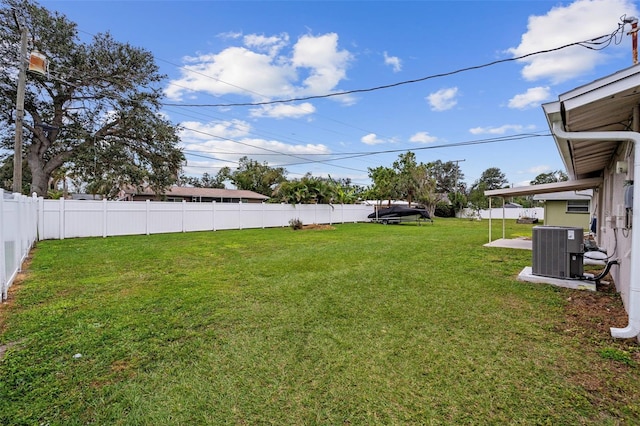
{"type": "Point", "coordinates": [633, 329]}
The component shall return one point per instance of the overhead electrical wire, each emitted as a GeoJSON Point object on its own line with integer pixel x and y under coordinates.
{"type": "Point", "coordinates": [306, 160]}
{"type": "Point", "coordinates": [605, 40]}
{"type": "Point", "coordinates": [601, 42]}
{"type": "Point", "coordinates": [597, 43]}
{"type": "Point", "coordinates": [270, 151]}
{"type": "Point", "coordinates": [350, 155]}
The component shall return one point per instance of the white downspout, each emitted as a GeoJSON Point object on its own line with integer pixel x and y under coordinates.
{"type": "Point", "coordinates": [633, 329]}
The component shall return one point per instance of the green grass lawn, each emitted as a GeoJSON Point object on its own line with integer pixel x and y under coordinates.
{"type": "Point", "coordinates": [362, 324]}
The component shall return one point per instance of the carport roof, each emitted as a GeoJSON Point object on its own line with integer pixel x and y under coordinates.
{"type": "Point", "coordinates": [547, 188]}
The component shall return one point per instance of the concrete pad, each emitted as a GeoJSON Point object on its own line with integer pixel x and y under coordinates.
{"type": "Point", "coordinates": [527, 275]}
{"type": "Point", "coordinates": [516, 243]}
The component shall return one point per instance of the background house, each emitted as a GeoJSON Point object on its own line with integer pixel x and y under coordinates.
{"type": "Point", "coordinates": [567, 208]}
{"type": "Point", "coordinates": [190, 194]}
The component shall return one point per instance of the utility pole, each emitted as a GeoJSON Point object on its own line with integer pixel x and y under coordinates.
{"type": "Point", "coordinates": [634, 36]}
{"type": "Point", "coordinates": [456, 184]}
{"type": "Point", "coordinates": [22, 77]}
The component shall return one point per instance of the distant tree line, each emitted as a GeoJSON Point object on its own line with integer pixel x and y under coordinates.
{"type": "Point", "coordinates": [437, 186]}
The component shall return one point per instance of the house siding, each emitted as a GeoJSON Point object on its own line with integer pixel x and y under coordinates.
{"type": "Point", "coordinates": [612, 234]}
{"type": "Point", "coordinates": [555, 214]}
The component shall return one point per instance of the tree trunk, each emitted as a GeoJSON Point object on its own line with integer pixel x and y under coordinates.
{"type": "Point", "coordinates": [39, 181]}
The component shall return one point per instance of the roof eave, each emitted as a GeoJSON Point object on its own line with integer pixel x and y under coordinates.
{"type": "Point", "coordinates": [553, 113]}
{"type": "Point", "coordinates": [570, 185]}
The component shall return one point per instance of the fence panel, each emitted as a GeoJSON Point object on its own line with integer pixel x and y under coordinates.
{"type": "Point", "coordinates": [59, 219]}
{"type": "Point", "coordinates": [165, 217]}
{"type": "Point", "coordinates": [82, 219]}
{"type": "Point", "coordinates": [125, 220]}
{"type": "Point", "coordinates": [199, 217]}
{"type": "Point", "coordinates": [227, 216]}
{"type": "Point", "coordinates": [18, 232]}
{"type": "Point", "coordinates": [276, 215]}
{"type": "Point", "coordinates": [508, 213]}
{"type": "Point", "coordinates": [251, 215]}
{"type": "Point", "coordinates": [23, 220]}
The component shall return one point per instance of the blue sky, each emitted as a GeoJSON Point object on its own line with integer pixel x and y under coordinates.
{"type": "Point", "coordinates": [239, 52]}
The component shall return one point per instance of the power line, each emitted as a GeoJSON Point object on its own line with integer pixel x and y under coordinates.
{"type": "Point", "coordinates": [597, 43]}
{"type": "Point", "coordinates": [349, 155]}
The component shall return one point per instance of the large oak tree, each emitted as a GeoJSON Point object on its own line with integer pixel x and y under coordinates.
{"type": "Point", "coordinates": [97, 112]}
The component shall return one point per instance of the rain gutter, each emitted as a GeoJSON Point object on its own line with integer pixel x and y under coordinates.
{"type": "Point", "coordinates": [633, 328]}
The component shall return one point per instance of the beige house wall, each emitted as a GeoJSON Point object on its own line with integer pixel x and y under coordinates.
{"type": "Point", "coordinates": [614, 232]}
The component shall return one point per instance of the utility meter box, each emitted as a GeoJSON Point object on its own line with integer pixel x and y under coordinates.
{"type": "Point", "coordinates": [558, 251]}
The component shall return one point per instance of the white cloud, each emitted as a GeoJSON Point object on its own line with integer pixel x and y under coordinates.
{"type": "Point", "coordinates": [272, 44]}
{"type": "Point", "coordinates": [235, 70]}
{"type": "Point", "coordinates": [579, 21]}
{"type": "Point", "coordinates": [230, 35]}
{"type": "Point", "coordinates": [443, 99]}
{"type": "Point", "coordinates": [196, 131]}
{"type": "Point", "coordinates": [214, 145]}
{"type": "Point", "coordinates": [372, 139]}
{"type": "Point", "coordinates": [423, 137]}
{"type": "Point", "coordinates": [536, 170]}
{"type": "Point", "coordinates": [532, 98]}
{"type": "Point", "coordinates": [264, 69]}
{"type": "Point", "coordinates": [325, 64]}
{"type": "Point", "coordinates": [394, 61]}
{"type": "Point", "coordinates": [284, 110]}
{"type": "Point", "coordinates": [500, 130]}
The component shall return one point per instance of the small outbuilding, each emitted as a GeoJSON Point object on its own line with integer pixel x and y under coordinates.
{"type": "Point", "coordinates": [567, 208]}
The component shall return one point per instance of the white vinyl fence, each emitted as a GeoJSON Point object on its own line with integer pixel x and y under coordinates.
{"type": "Point", "coordinates": [507, 213]}
{"type": "Point", "coordinates": [18, 233]}
{"type": "Point", "coordinates": [23, 220]}
{"type": "Point", "coordinates": [59, 219]}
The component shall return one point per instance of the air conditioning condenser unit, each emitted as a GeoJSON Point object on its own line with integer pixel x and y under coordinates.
{"type": "Point", "coordinates": [558, 251]}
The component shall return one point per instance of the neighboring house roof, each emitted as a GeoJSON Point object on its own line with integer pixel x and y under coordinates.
{"type": "Point", "coordinates": [86, 197]}
{"type": "Point", "coordinates": [512, 205]}
{"type": "Point", "coordinates": [565, 195]}
{"type": "Point", "coordinates": [187, 192]}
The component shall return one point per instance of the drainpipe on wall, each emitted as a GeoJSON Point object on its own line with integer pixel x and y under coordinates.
{"type": "Point", "coordinates": [633, 329]}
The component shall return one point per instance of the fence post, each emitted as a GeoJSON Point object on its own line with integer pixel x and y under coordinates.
{"type": "Point", "coordinates": [61, 217]}
{"type": "Point", "coordinates": [213, 215]}
{"type": "Point", "coordinates": [184, 208]}
{"type": "Point", "coordinates": [17, 245]}
{"type": "Point", "coordinates": [3, 267]}
{"type": "Point", "coordinates": [40, 217]}
{"type": "Point", "coordinates": [23, 220]}
{"type": "Point", "coordinates": [147, 207]}
{"type": "Point", "coordinates": [240, 214]}
{"type": "Point", "coordinates": [104, 218]}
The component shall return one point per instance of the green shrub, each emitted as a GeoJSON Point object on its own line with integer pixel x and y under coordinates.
{"type": "Point", "coordinates": [444, 210]}
{"type": "Point", "coordinates": [295, 224]}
